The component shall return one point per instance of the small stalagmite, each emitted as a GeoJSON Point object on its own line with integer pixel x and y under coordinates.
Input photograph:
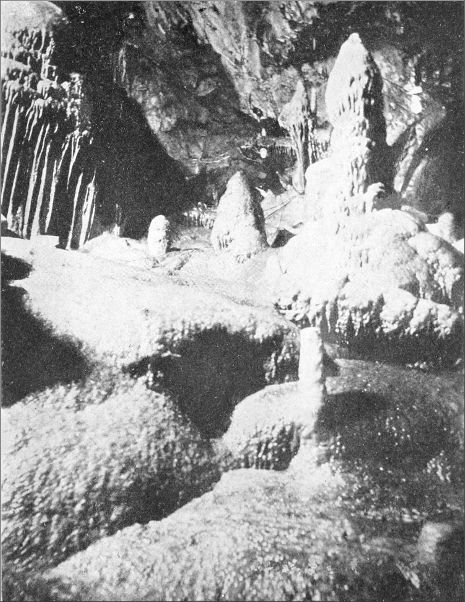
{"type": "Point", "coordinates": [312, 394]}
{"type": "Point", "coordinates": [159, 237]}
{"type": "Point", "coordinates": [239, 227]}
{"type": "Point", "coordinates": [311, 375]}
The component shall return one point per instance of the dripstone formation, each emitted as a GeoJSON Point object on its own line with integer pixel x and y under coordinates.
{"type": "Point", "coordinates": [239, 227]}
{"type": "Point", "coordinates": [357, 154]}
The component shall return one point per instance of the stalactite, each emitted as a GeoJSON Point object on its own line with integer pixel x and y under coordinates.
{"type": "Point", "coordinates": [12, 142]}
{"type": "Point", "coordinates": [44, 161]}
{"type": "Point", "coordinates": [75, 204]}
{"type": "Point", "coordinates": [35, 228]}
{"type": "Point", "coordinates": [88, 210]}
{"type": "Point", "coordinates": [52, 196]}
{"type": "Point", "coordinates": [295, 118]}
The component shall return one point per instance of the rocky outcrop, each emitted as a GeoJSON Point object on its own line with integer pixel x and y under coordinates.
{"type": "Point", "coordinates": [79, 466]}
{"type": "Point", "coordinates": [239, 226]}
{"type": "Point", "coordinates": [390, 280]}
{"type": "Point", "coordinates": [47, 147]}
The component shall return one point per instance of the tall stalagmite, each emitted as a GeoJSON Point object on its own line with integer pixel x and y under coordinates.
{"type": "Point", "coordinates": [357, 157]}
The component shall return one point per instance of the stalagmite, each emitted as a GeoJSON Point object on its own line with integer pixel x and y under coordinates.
{"type": "Point", "coordinates": [357, 154]}
{"type": "Point", "coordinates": [239, 226]}
{"type": "Point", "coordinates": [159, 237]}
{"type": "Point", "coordinates": [311, 376]}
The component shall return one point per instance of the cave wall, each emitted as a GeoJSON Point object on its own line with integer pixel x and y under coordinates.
{"type": "Point", "coordinates": [78, 156]}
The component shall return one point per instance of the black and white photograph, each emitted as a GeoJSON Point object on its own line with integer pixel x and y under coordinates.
{"type": "Point", "coordinates": [232, 330]}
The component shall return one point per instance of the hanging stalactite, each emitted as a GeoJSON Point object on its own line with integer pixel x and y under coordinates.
{"type": "Point", "coordinates": [47, 160]}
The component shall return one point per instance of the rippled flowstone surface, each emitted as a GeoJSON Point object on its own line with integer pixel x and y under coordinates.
{"type": "Point", "coordinates": [132, 318]}
{"type": "Point", "coordinates": [393, 288]}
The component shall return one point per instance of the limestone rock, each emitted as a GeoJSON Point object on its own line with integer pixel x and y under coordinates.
{"type": "Point", "coordinates": [77, 473]}
{"type": "Point", "coordinates": [255, 537]}
{"type": "Point", "coordinates": [265, 428]}
{"type": "Point", "coordinates": [239, 227]}
{"type": "Point", "coordinates": [389, 277]}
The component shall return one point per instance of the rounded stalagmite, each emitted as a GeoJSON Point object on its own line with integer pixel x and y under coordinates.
{"type": "Point", "coordinates": [159, 237]}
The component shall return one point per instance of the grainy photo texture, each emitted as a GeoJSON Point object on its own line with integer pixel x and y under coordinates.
{"type": "Point", "coordinates": [232, 301]}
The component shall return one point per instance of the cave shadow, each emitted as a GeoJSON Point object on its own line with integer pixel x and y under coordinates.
{"type": "Point", "coordinates": [136, 175]}
{"type": "Point", "coordinates": [13, 268]}
{"type": "Point", "coordinates": [444, 143]}
{"type": "Point", "coordinates": [33, 358]}
{"type": "Point", "coordinates": [344, 409]}
{"type": "Point", "coordinates": [392, 430]}
{"type": "Point", "coordinates": [209, 374]}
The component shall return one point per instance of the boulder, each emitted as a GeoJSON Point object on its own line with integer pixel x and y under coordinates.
{"type": "Point", "coordinates": [239, 226]}
{"type": "Point", "coordinates": [390, 280]}
{"type": "Point", "coordinates": [82, 462]}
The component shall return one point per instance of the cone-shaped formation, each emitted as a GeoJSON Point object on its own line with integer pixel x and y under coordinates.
{"type": "Point", "coordinates": [240, 225]}
{"type": "Point", "coordinates": [295, 118]}
{"type": "Point", "coordinates": [354, 103]}
{"type": "Point", "coordinates": [355, 106]}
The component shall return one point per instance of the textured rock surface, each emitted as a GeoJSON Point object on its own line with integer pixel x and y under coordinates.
{"type": "Point", "coordinates": [348, 536]}
{"type": "Point", "coordinates": [80, 312]}
{"type": "Point", "coordinates": [239, 226]}
{"type": "Point", "coordinates": [390, 280]}
{"type": "Point", "coordinates": [73, 475]}
{"type": "Point", "coordinates": [257, 521]}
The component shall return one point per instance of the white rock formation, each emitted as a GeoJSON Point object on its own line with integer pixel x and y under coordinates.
{"type": "Point", "coordinates": [159, 237]}
{"type": "Point", "coordinates": [240, 225]}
